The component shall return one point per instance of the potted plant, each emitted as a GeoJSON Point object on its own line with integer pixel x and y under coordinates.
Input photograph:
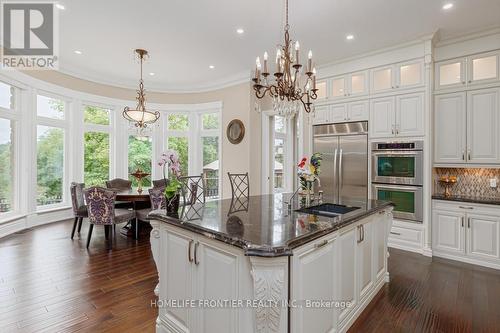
{"type": "Point", "coordinates": [170, 160]}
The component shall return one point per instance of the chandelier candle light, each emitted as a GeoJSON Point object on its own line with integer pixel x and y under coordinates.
{"type": "Point", "coordinates": [140, 116]}
{"type": "Point", "coordinates": [285, 89]}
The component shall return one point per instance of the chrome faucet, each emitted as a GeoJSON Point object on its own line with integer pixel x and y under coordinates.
{"type": "Point", "coordinates": [289, 203]}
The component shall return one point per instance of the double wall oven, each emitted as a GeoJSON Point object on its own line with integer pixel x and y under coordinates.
{"type": "Point", "coordinates": [397, 176]}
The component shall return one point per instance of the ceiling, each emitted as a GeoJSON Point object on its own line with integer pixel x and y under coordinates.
{"type": "Point", "coordinates": [184, 37]}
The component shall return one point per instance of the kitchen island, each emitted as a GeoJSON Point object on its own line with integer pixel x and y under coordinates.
{"type": "Point", "coordinates": [254, 265]}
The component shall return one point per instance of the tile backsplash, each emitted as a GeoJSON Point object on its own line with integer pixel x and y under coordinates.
{"type": "Point", "coordinates": [470, 181]}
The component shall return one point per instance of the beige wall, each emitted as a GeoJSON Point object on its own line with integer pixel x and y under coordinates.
{"type": "Point", "coordinates": [237, 103]}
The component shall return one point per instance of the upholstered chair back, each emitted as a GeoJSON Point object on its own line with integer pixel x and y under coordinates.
{"type": "Point", "coordinates": [157, 197]}
{"type": "Point", "coordinates": [100, 205]}
{"type": "Point", "coordinates": [119, 183]}
{"type": "Point", "coordinates": [77, 200]}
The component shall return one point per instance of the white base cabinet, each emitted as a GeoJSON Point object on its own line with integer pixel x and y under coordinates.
{"type": "Point", "coordinates": [349, 267]}
{"type": "Point", "coordinates": [327, 282]}
{"type": "Point", "coordinates": [466, 232]}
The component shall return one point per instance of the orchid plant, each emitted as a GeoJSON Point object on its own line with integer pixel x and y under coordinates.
{"type": "Point", "coordinates": [170, 161]}
{"type": "Point", "coordinates": [309, 172]}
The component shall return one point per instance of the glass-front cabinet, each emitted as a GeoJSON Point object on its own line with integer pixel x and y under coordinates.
{"type": "Point", "coordinates": [322, 92]}
{"type": "Point", "coordinates": [483, 68]}
{"type": "Point", "coordinates": [466, 71]}
{"type": "Point", "coordinates": [382, 79]}
{"type": "Point", "coordinates": [350, 85]}
{"type": "Point", "coordinates": [339, 87]}
{"type": "Point", "coordinates": [410, 74]}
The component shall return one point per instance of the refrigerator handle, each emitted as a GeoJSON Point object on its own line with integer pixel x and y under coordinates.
{"type": "Point", "coordinates": [335, 170]}
{"type": "Point", "coordinates": [340, 170]}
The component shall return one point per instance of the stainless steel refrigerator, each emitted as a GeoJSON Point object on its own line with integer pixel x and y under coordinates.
{"type": "Point", "coordinates": [344, 169]}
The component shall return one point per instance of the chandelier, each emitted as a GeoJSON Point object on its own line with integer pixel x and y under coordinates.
{"type": "Point", "coordinates": [285, 89]}
{"type": "Point", "coordinates": [139, 116]}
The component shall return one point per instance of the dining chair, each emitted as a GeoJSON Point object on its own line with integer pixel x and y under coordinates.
{"type": "Point", "coordinates": [240, 184]}
{"type": "Point", "coordinates": [160, 183]}
{"type": "Point", "coordinates": [102, 211]}
{"type": "Point", "coordinates": [119, 184]}
{"type": "Point", "coordinates": [79, 208]}
{"type": "Point", "coordinates": [158, 201]}
{"type": "Point", "coordinates": [194, 188]}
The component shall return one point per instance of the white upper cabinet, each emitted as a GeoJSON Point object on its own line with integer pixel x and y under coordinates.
{"type": "Point", "coordinates": [358, 84]}
{"type": "Point", "coordinates": [450, 73]}
{"type": "Point", "coordinates": [410, 115]}
{"type": "Point", "coordinates": [322, 92]}
{"type": "Point", "coordinates": [339, 87]}
{"type": "Point", "coordinates": [468, 71]}
{"type": "Point", "coordinates": [382, 79]}
{"type": "Point", "coordinates": [339, 113]}
{"type": "Point", "coordinates": [450, 128]}
{"type": "Point", "coordinates": [358, 111]}
{"type": "Point", "coordinates": [401, 116]}
{"type": "Point", "coordinates": [382, 117]}
{"type": "Point", "coordinates": [483, 124]}
{"type": "Point", "coordinates": [483, 68]}
{"type": "Point", "coordinates": [322, 115]}
{"type": "Point", "coordinates": [410, 74]}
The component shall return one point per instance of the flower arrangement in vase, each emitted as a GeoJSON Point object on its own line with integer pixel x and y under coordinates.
{"type": "Point", "coordinates": [170, 160]}
{"type": "Point", "coordinates": [309, 173]}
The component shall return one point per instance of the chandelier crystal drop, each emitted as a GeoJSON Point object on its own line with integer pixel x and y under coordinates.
{"type": "Point", "coordinates": [140, 117]}
{"type": "Point", "coordinates": [293, 86]}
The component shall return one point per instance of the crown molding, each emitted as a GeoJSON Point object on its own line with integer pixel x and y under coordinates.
{"type": "Point", "coordinates": [462, 38]}
{"type": "Point", "coordinates": [226, 82]}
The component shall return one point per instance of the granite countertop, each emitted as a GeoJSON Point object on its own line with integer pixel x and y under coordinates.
{"type": "Point", "coordinates": [470, 199]}
{"type": "Point", "coordinates": [261, 225]}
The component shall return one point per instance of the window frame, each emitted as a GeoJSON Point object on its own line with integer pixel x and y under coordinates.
{"type": "Point", "coordinates": [63, 124]}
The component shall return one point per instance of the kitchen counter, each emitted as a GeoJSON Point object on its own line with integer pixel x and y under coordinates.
{"type": "Point", "coordinates": [262, 225]}
{"type": "Point", "coordinates": [251, 258]}
{"type": "Point", "coordinates": [470, 199]}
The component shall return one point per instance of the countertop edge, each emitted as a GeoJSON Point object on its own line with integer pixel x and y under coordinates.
{"type": "Point", "coordinates": [262, 251]}
{"type": "Point", "coordinates": [482, 201]}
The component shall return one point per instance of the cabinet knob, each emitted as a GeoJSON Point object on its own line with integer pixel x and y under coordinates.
{"type": "Point", "coordinates": [470, 81]}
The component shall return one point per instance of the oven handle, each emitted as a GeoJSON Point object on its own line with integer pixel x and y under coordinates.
{"type": "Point", "coordinates": [396, 153]}
{"type": "Point", "coordinates": [399, 187]}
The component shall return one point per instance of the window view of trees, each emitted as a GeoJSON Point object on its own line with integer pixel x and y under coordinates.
{"type": "Point", "coordinates": [49, 107]}
{"type": "Point", "coordinates": [50, 165]}
{"type": "Point", "coordinates": [180, 145]}
{"type": "Point", "coordinates": [96, 158]}
{"type": "Point", "coordinates": [140, 152]}
{"type": "Point", "coordinates": [96, 147]}
{"type": "Point", "coordinates": [5, 166]}
{"type": "Point", "coordinates": [96, 115]}
{"type": "Point", "coordinates": [210, 121]}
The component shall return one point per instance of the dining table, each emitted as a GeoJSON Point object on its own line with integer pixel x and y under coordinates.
{"type": "Point", "coordinates": [139, 200]}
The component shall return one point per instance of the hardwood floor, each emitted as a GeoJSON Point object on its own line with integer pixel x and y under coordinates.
{"type": "Point", "coordinates": [50, 283]}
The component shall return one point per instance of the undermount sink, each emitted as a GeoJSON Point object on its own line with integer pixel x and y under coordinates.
{"type": "Point", "coordinates": [327, 209]}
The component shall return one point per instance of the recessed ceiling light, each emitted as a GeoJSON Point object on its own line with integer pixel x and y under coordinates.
{"type": "Point", "coordinates": [211, 66]}
{"type": "Point", "coordinates": [447, 6]}
{"type": "Point", "coordinates": [240, 31]}
{"type": "Point", "coordinates": [152, 74]}
{"type": "Point", "coordinates": [349, 37]}
{"type": "Point", "coordinates": [59, 6]}
{"type": "Point", "coordinates": [78, 52]}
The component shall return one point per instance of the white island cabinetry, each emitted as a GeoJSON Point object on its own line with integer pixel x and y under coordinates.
{"type": "Point", "coordinates": [344, 266]}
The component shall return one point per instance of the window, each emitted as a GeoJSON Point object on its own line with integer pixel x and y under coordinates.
{"type": "Point", "coordinates": [96, 158]}
{"type": "Point", "coordinates": [178, 139]}
{"type": "Point", "coordinates": [96, 141]}
{"type": "Point", "coordinates": [50, 150]}
{"type": "Point", "coordinates": [140, 152]}
{"type": "Point", "coordinates": [195, 136]}
{"type": "Point", "coordinates": [6, 164]}
{"type": "Point", "coordinates": [50, 107]}
{"type": "Point", "coordinates": [50, 165]}
{"type": "Point", "coordinates": [6, 96]}
{"type": "Point", "coordinates": [279, 153]}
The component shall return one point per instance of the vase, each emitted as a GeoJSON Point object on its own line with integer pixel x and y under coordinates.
{"type": "Point", "coordinates": [173, 204]}
{"type": "Point", "coordinates": [307, 193]}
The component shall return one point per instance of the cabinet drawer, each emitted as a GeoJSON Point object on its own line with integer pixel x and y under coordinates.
{"type": "Point", "coordinates": [405, 235]}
